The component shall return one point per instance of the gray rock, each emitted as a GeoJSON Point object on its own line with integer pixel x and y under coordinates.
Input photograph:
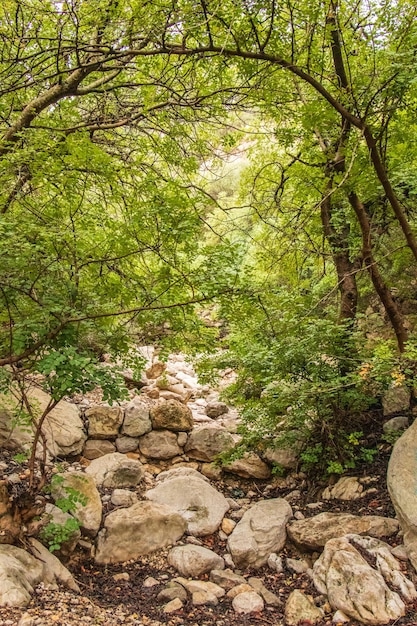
{"type": "Point", "coordinates": [170, 592]}
{"type": "Point", "coordinates": [138, 530]}
{"type": "Point", "coordinates": [193, 561]}
{"type": "Point", "coordinates": [20, 572]}
{"type": "Point", "coordinates": [200, 505]}
{"type": "Point", "coordinates": [401, 482]}
{"type": "Point", "coordinates": [215, 409]}
{"type": "Point", "coordinates": [193, 586]}
{"type": "Point", "coordinates": [248, 602]}
{"type": "Point", "coordinates": [298, 566]}
{"type": "Point", "coordinates": [126, 444]}
{"type": "Point", "coordinates": [353, 586]}
{"type": "Point", "coordinates": [160, 444]}
{"type": "Point", "coordinates": [340, 618]}
{"type": "Point", "coordinates": [260, 532]}
{"type": "Point", "coordinates": [104, 421]}
{"type": "Point", "coordinates": [283, 457]}
{"type": "Point", "coordinates": [137, 420]}
{"type": "Point", "coordinates": [249, 466]}
{"type": "Point", "coordinates": [171, 415]}
{"type": "Point", "coordinates": [63, 427]}
{"type": "Point", "coordinates": [123, 497]}
{"type": "Point", "coordinates": [207, 442]}
{"type": "Point", "coordinates": [226, 578]}
{"type": "Point", "coordinates": [313, 533]}
{"type": "Point", "coordinates": [396, 400]}
{"type": "Point", "coordinates": [53, 565]}
{"type": "Point", "coordinates": [94, 448]}
{"type": "Point", "coordinates": [346, 488]}
{"type": "Point", "coordinates": [174, 605]}
{"type": "Point", "coordinates": [395, 424]}
{"type": "Point", "coordinates": [88, 509]}
{"type": "Point", "coordinates": [115, 471]}
{"type": "Point", "coordinates": [270, 598]}
{"type": "Point", "coordinates": [386, 563]}
{"type": "Point", "coordinates": [275, 563]}
{"type": "Point", "coordinates": [180, 472]}
{"type": "Point", "coordinates": [300, 607]}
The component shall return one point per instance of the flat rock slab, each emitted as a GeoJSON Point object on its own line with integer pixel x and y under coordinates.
{"type": "Point", "coordinates": [138, 530]}
{"type": "Point", "coordinates": [261, 530]}
{"type": "Point", "coordinates": [314, 532]}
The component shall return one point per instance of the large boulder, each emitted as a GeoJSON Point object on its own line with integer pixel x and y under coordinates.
{"type": "Point", "coordinates": [261, 531]}
{"type": "Point", "coordinates": [137, 419]}
{"type": "Point", "coordinates": [192, 561]}
{"type": "Point", "coordinates": [62, 428]}
{"type": "Point", "coordinates": [160, 444]}
{"type": "Point", "coordinates": [20, 572]}
{"type": "Point", "coordinates": [314, 532]}
{"type": "Point", "coordinates": [87, 502]}
{"type": "Point", "coordinates": [353, 586]}
{"type": "Point", "coordinates": [171, 415]}
{"type": "Point", "coordinates": [207, 442]}
{"type": "Point", "coordinates": [115, 471]}
{"type": "Point", "coordinates": [138, 530]}
{"type": "Point", "coordinates": [401, 481]}
{"type": "Point", "coordinates": [104, 421]}
{"type": "Point", "coordinates": [199, 504]}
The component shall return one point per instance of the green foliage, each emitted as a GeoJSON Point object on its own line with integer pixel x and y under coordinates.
{"type": "Point", "coordinates": [54, 535]}
{"type": "Point", "coordinates": [392, 436]}
{"type": "Point", "coordinates": [300, 383]}
{"type": "Point", "coordinates": [72, 499]}
{"type": "Point", "coordinates": [67, 371]}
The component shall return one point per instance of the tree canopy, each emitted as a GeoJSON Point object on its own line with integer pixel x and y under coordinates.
{"type": "Point", "coordinates": [126, 203]}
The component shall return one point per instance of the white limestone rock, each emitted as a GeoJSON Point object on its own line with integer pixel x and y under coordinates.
{"type": "Point", "coordinates": [192, 561]}
{"type": "Point", "coordinates": [401, 482]}
{"type": "Point", "coordinates": [200, 505]}
{"type": "Point", "coordinates": [261, 530]}
{"type": "Point", "coordinates": [353, 586]}
{"type": "Point", "coordinates": [115, 471]}
{"type": "Point", "coordinates": [88, 507]}
{"type": "Point", "coordinates": [248, 602]}
{"type": "Point", "coordinates": [138, 530]}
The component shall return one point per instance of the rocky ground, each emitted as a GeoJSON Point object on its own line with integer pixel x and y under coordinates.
{"type": "Point", "coordinates": [130, 592]}
{"type": "Point", "coordinates": [127, 593]}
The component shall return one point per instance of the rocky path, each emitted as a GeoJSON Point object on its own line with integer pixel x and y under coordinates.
{"type": "Point", "coordinates": [249, 548]}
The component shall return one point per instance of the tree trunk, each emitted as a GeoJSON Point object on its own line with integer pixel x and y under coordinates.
{"type": "Point", "coordinates": [383, 291]}
{"type": "Point", "coordinates": [345, 268]}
